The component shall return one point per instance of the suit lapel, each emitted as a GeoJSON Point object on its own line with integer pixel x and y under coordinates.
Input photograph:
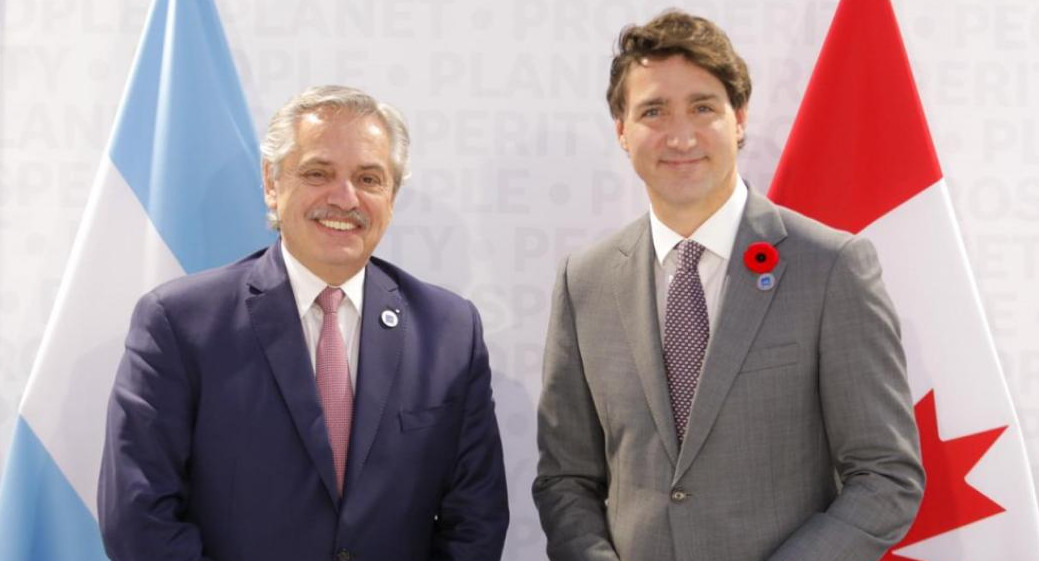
{"type": "Point", "coordinates": [635, 291]}
{"type": "Point", "coordinates": [742, 309]}
{"type": "Point", "coordinates": [275, 320]}
{"type": "Point", "coordinates": [377, 366]}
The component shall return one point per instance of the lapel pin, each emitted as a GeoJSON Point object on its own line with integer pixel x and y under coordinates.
{"type": "Point", "coordinates": [766, 281]}
{"type": "Point", "coordinates": [389, 318]}
{"type": "Point", "coordinates": [761, 258]}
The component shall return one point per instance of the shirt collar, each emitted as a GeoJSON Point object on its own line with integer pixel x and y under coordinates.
{"type": "Point", "coordinates": [717, 233]}
{"type": "Point", "coordinates": [306, 285]}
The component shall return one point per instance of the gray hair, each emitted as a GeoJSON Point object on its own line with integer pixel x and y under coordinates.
{"type": "Point", "coordinates": [281, 132]}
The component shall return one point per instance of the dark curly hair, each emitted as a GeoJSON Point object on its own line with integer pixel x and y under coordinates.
{"type": "Point", "coordinates": [674, 32]}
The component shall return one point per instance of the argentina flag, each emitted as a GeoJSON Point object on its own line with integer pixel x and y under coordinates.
{"type": "Point", "coordinates": [177, 191]}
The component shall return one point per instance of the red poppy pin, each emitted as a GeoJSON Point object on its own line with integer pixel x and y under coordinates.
{"type": "Point", "coordinates": [761, 257]}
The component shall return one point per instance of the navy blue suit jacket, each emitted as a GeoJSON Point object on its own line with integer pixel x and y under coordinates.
{"type": "Point", "coordinates": [216, 445]}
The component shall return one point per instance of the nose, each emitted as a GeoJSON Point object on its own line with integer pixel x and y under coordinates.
{"type": "Point", "coordinates": [681, 141]}
{"type": "Point", "coordinates": [343, 195]}
{"type": "Point", "coordinates": [682, 135]}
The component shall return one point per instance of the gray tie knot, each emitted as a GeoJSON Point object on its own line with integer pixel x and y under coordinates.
{"type": "Point", "coordinates": [689, 253]}
{"type": "Point", "coordinates": [329, 299]}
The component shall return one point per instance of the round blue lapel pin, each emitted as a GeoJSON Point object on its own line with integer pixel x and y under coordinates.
{"type": "Point", "coordinates": [389, 318]}
{"type": "Point", "coordinates": [766, 281]}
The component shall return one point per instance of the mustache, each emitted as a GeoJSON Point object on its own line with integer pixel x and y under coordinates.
{"type": "Point", "coordinates": [334, 213]}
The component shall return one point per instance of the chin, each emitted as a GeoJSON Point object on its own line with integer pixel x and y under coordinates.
{"type": "Point", "coordinates": [343, 259]}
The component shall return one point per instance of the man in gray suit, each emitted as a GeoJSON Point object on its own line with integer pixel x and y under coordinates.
{"type": "Point", "coordinates": [724, 378]}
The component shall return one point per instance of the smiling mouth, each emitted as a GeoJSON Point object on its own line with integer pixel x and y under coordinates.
{"type": "Point", "coordinates": [338, 225]}
{"type": "Point", "coordinates": [340, 220]}
{"type": "Point", "coordinates": [675, 162]}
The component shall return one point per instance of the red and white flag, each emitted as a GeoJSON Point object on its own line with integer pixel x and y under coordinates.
{"type": "Point", "coordinates": [860, 158]}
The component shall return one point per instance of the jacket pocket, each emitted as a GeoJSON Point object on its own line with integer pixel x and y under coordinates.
{"type": "Point", "coordinates": [770, 357]}
{"type": "Point", "coordinates": [415, 419]}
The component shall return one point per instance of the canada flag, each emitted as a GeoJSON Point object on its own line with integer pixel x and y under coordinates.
{"type": "Point", "coordinates": [860, 158]}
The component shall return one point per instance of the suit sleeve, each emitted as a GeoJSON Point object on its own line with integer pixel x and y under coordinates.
{"type": "Point", "coordinates": [869, 420]}
{"type": "Point", "coordinates": [474, 512]}
{"type": "Point", "coordinates": [570, 490]}
{"type": "Point", "coordinates": [144, 488]}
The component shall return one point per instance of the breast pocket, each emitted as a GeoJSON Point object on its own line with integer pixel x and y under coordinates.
{"type": "Point", "coordinates": [770, 358]}
{"type": "Point", "coordinates": [425, 418]}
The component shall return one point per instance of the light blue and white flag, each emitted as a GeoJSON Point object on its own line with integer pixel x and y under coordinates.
{"type": "Point", "coordinates": [177, 191]}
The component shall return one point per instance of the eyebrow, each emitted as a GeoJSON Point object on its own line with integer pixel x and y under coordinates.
{"type": "Point", "coordinates": [703, 97]}
{"type": "Point", "coordinates": [653, 102]}
{"type": "Point", "coordinates": [692, 98]}
{"type": "Point", "coordinates": [314, 162]}
{"type": "Point", "coordinates": [374, 167]}
{"type": "Point", "coordinates": [328, 163]}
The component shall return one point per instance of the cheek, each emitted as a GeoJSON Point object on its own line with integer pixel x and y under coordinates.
{"type": "Point", "coordinates": [650, 141]}
{"type": "Point", "coordinates": [383, 216]}
{"type": "Point", "coordinates": [301, 200]}
{"type": "Point", "coordinates": [379, 208]}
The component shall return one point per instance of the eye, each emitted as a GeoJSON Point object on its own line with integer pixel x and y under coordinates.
{"type": "Point", "coordinates": [702, 108]}
{"type": "Point", "coordinates": [371, 181]}
{"type": "Point", "coordinates": [314, 176]}
{"type": "Point", "coordinates": [651, 112]}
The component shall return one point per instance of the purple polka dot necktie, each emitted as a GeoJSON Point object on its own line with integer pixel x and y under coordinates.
{"type": "Point", "coordinates": [333, 381]}
{"type": "Point", "coordinates": [686, 332]}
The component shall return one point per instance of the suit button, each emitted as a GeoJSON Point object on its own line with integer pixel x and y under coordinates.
{"type": "Point", "coordinates": [343, 555]}
{"type": "Point", "coordinates": [678, 496]}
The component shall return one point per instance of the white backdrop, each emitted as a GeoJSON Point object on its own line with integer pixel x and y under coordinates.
{"type": "Point", "coordinates": [515, 162]}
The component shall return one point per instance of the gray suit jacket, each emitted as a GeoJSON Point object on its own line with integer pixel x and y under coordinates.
{"type": "Point", "coordinates": [801, 444]}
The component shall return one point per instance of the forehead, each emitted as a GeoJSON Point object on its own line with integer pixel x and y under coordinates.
{"type": "Point", "coordinates": [673, 76]}
{"type": "Point", "coordinates": [338, 133]}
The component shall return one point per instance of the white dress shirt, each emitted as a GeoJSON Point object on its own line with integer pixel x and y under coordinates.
{"type": "Point", "coordinates": [717, 234]}
{"type": "Point", "coordinates": [305, 287]}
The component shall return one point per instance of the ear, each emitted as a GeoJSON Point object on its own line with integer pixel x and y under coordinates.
{"type": "Point", "coordinates": [270, 194]}
{"type": "Point", "coordinates": [741, 123]}
{"type": "Point", "coordinates": [619, 124]}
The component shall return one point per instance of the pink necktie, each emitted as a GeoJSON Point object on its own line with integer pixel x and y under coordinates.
{"type": "Point", "coordinates": [333, 381]}
{"type": "Point", "coordinates": [686, 332]}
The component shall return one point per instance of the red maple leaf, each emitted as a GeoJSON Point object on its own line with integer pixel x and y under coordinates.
{"type": "Point", "coordinates": [949, 501]}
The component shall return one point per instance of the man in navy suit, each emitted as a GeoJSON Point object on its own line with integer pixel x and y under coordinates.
{"type": "Point", "coordinates": [257, 416]}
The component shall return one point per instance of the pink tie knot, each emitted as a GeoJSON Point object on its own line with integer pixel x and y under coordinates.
{"type": "Point", "coordinates": [329, 299]}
